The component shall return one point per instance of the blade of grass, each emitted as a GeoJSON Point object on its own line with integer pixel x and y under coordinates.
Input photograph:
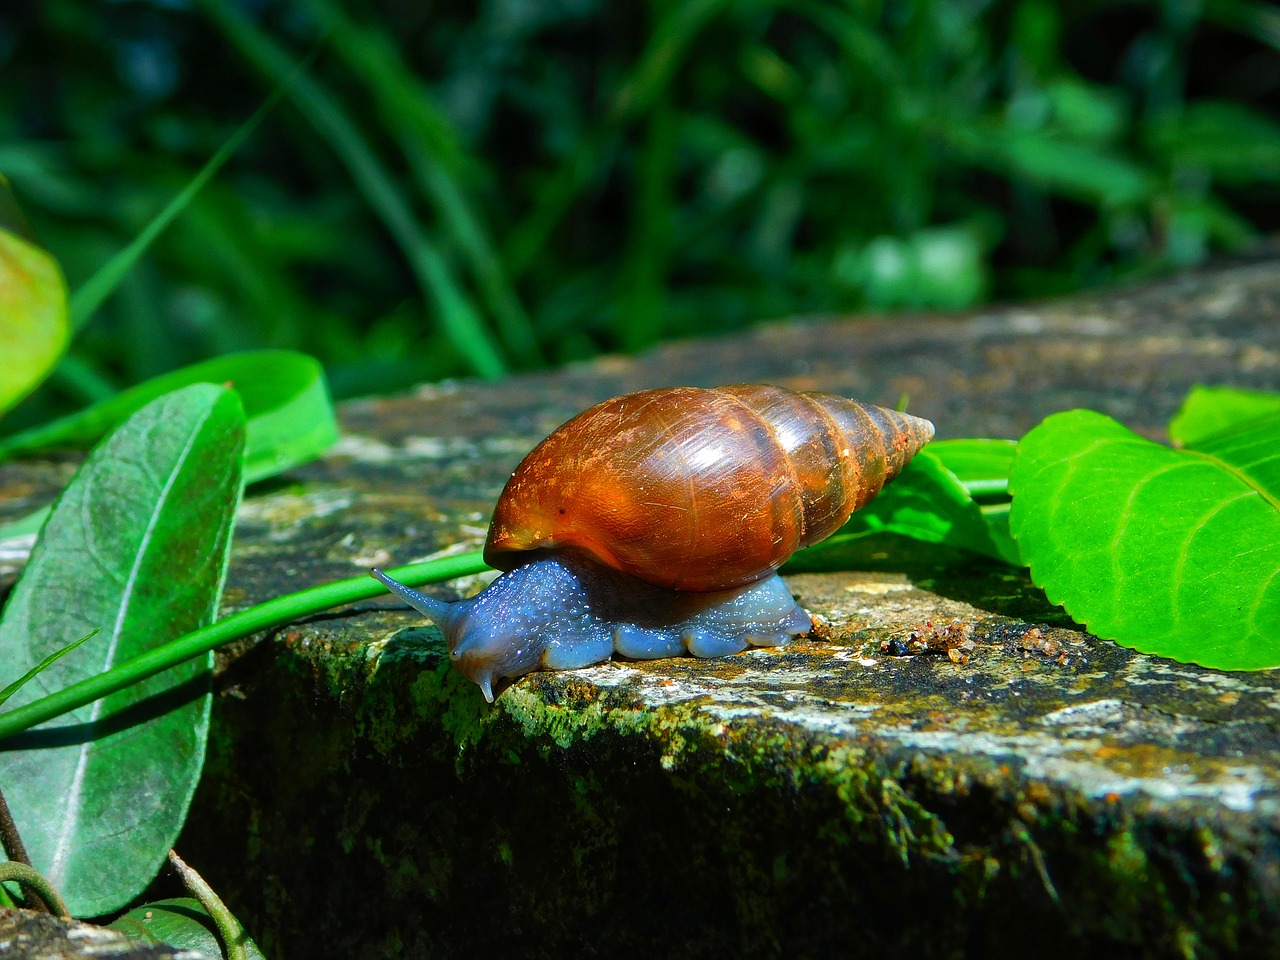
{"type": "Point", "coordinates": [672, 36]}
{"type": "Point", "coordinates": [91, 294]}
{"type": "Point", "coordinates": [434, 155]}
{"type": "Point", "coordinates": [272, 613]}
{"type": "Point", "coordinates": [513, 323]}
{"type": "Point", "coordinates": [53, 658]}
{"type": "Point", "coordinates": [458, 317]}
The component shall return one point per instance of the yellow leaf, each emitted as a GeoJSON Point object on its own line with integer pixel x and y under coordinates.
{"type": "Point", "coordinates": [33, 317]}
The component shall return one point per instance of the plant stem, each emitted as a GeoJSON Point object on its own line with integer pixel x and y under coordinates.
{"type": "Point", "coordinates": [38, 888]}
{"type": "Point", "coordinates": [10, 839]}
{"type": "Point", "coordinates": [229, 928]}
{"type": "Point", "coordinates": [273, 613]}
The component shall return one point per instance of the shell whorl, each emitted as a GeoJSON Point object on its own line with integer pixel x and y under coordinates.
{"type": "Point", "coordinates": [698, 489]}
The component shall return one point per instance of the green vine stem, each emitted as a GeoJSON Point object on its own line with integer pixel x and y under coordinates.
{"type": "Point", "coordinates": [273, 613]}
{"type": "Point", "coordinates": [31, 879]}
{"type": "Point", "coordinates": [230, 931]}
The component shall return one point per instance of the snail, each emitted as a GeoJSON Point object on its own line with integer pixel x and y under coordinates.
{"type": "Point", "coordinates": [653, 524]}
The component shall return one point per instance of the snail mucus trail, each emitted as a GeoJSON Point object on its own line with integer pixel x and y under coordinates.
{"type": "Point", "coordinates": [653, 524]}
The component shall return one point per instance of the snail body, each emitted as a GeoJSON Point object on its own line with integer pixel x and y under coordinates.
{"type": "Point", "coordinates": [565, 610]}
{"type": "Point", "coordinates": [652, 524]}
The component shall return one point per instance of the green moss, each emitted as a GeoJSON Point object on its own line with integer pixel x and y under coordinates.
{"type": "Point", "coordinates": [1127, 861]}
{"type": "Point", "coordinates": [410, 683]}
{"type": "Point", "coordinates": [562, 724]}
{"type": "Point", "coordinates": [765, 757]}
{"type": "Point", "coordinates": [505, 854]}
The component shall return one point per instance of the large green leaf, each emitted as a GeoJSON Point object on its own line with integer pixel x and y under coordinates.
{"type": "Point", "coordinates": [136, 546]}
{"type": "Point", "coordinates": [1172, 552]}
{"type": "Point", "coordinates": [33, 317]}
{"type": "Point", "coordinates": [285, 397]}
{"type": "Point", "coordinates": [1210, 410]}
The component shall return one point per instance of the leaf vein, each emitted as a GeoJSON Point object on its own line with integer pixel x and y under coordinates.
{"type": "Point", "coordinates": [1272, 498]}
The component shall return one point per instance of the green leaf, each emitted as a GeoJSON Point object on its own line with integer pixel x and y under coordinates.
{"type": "Point", "coordinates": [1230, 141]}
{"type": "Point", "coordinates": [925, 502]}
{"type": "Point", "coordinates": [181, 923]}
{"type": "Point", "coordinates": [1211, 410]}
{"type": "Point", "coordinates": [935, 267]}
{"type": "Point", "coordinates": [285, 397]}
{"type": "Point", "coordinates": [137, 545]}
{"type": "Point", "coordinates": [1092, 113]}
{"type": "Point", "coordinates": [981, 464]}
{"type": "Point", "coordinates": [43, 665]}
{"type": "Point", "coordinates": [26, 525]}
{"type": "Point", "coordinates": [1171, 552]}
{"type": "Point", "coordinates": [1071, 168]}
{"type": "Point", "coordinates": [33, 317]}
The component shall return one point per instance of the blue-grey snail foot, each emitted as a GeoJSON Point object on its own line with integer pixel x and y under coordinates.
{"type": "Point", "coordinates": [712, 643]}
{"type": "Point", "coordinates": [707, 643]}
{"type": "Point", "coordinates": [577, 645]}
{"type": "Point", "coordinates": [797, 623]}
{"type": "Point", "coordinates": [763, 614]}
{"type": "Point", "coordinates": [639, 643]}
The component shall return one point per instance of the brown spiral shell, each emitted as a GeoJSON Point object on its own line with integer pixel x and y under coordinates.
{"type": "Point", "coordinates": [698, 489]}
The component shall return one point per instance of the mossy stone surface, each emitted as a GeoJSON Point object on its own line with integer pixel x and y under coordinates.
{"type": "Point", "coordinates": [27, 935]}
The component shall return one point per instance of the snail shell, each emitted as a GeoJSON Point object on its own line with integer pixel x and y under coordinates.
{"type": "Point", "coordinates": [697, 489]}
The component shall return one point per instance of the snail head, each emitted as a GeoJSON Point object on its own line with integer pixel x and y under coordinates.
{"type": "Point", "coordinates": [490, 636]}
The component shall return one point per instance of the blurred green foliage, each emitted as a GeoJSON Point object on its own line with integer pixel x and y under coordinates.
{"type": "Point", "coordinates": [454, 188]}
